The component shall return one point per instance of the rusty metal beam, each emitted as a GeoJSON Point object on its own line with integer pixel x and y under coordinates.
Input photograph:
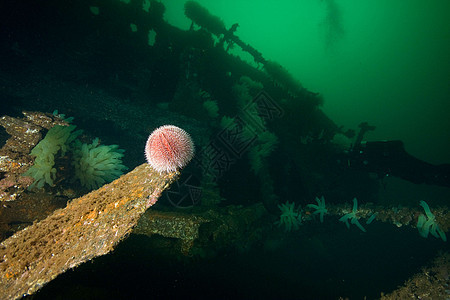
{"type": "Point", "coordinates": [87, 227]}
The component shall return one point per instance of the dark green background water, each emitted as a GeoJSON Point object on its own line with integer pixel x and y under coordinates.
{"type": "Point", "coordinates": [381, 61]}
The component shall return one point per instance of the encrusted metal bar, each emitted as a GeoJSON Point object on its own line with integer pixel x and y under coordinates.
{"type": "Point", "coordinates": [87, 227]}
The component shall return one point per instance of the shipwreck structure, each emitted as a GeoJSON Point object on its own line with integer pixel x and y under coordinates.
{"type": "Point", "coordinates": [88, 227]}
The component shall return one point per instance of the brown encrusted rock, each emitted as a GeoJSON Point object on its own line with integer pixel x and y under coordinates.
{"type": "Point", "coordinates": [15, 157]}
{"type": "Point", "coordinates": [24, 135]}
{"type": "Point", "coordinates": [26, 132]}
{"type": "Point", "coordinates": [430, 283]}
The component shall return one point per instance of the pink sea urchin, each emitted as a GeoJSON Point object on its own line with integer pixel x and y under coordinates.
{"type": "Point", "coordinates": [169, 148]}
